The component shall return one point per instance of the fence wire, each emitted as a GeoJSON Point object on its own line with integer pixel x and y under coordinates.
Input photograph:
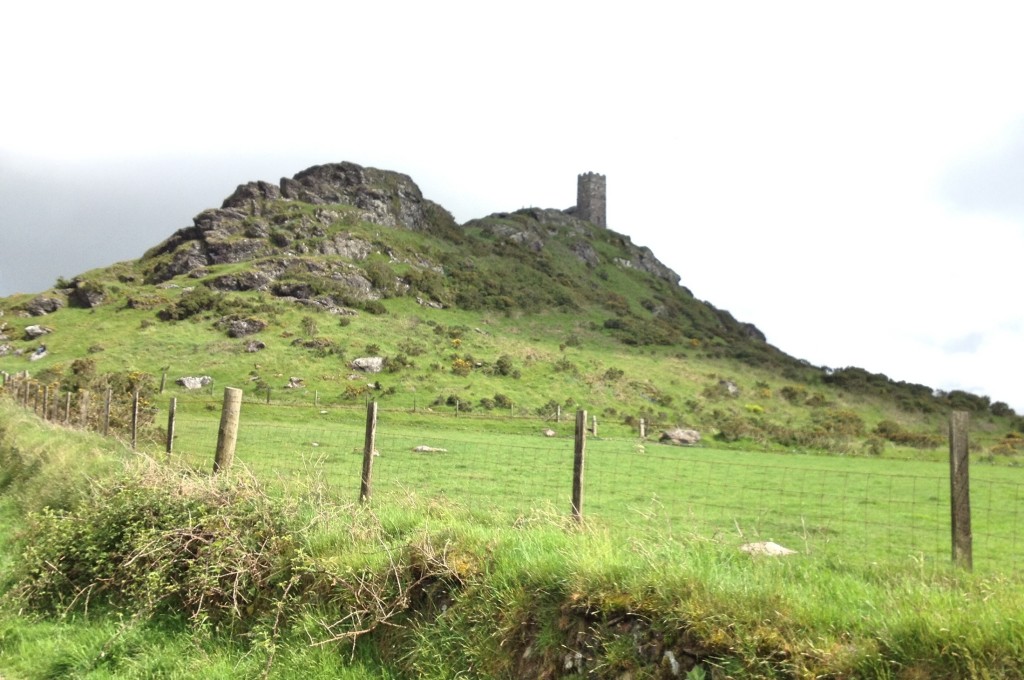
{"type": "Point", "coordinates": [843, 508]}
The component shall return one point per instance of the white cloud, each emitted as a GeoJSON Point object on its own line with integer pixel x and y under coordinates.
{"type": "Point", "coordinates": [805, 165]}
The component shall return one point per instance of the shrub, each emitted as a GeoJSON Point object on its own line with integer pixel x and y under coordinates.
{"type": "Point", "coordinates": [894, 432]}
{"type": "Point", "coordinates": [309, 326]}
{"type": "Point", "coordinates": [397, 363]}
{"type": "Point", "coordinates": [504, 366]}
{"type": "Point", "coordinates": [217, 551]}
{"type": "Point", "coordinates": [793, 394]}
{"type": "Point", "coordinates": [1001, 408]}
{"type": "Point", "coordinates": [839, 422]}
{"type": "Point", "coordinates": [461, 366]}
{"type": "Point", "coordinates": [381, 275]}
{"type": "Point", "coordinates": [502, 401]}
{"type": "Point", "coordinates": [613, 374]}
{"type": "Point", "coordinates": [563, 365]}
{"type": "Point", "coordinates": [191, 303]}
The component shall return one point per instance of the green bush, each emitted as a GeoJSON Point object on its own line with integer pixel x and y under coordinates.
{"type": "Point", "coordinates": [192, 302]}
{"type": "Point", "coordinates": [894, 432]}
{"type": "Point", "coordinates": [195, 548]}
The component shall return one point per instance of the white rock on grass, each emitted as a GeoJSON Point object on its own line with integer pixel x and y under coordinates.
{"type": "Point", "coordinates": [766, 548]}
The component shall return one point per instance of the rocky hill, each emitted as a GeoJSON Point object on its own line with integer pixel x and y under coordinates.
{"type": "Point", "coordinates": [363, 244]}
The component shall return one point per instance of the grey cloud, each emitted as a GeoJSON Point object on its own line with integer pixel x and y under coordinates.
{"type": "Point", "coordinates": [61, 219]}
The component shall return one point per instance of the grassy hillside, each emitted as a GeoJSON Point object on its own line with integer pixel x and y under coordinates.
{"type": "Point", "coordinates": [466, 566]}
{"type": "Point", "coordinates": [534, 308]}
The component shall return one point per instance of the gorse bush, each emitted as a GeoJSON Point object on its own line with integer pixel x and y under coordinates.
{"type": "Point", "coordinates": [211, 550]}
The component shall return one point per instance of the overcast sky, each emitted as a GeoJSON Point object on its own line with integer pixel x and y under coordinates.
{"type": "Point", "coordinates": [847, 176]}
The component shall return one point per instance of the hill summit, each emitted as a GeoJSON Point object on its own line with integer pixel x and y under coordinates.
{"type": "Point", "coordinates": [300, 240]}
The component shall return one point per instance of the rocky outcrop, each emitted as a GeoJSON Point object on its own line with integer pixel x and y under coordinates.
{"type": "Point", "coordinates": [86, 294]}
{"type": "Point", "coordinates": [248, 227]}
{"type": "Point", "coordinates": [239, 327]}
{"type": "Point", "coordinates": [643, 259]}
{"type": "Point", "coordinates": [383, 197]}
{"type": "Point", "coordinates": [256, 279]}
{"type": "Point", "coordinates": [41, 305]}
{"type": "Point", "coordinates": [248, 194]}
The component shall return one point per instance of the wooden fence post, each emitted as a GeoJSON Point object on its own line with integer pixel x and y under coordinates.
{"type": "Point", "coordinates": [171, 412]}
{"type": "Point", "coordinates": [67, 409]}
{"type": "Point", "coordinates": [46, 402]}
{"type": "Point", "coordinates": [135, 418]}
{"type": "Point", "coordinates": [83, 409]}
{"type": "Point", "coordinates": [163, 381]}
{"type": "Point", "coordinates": [558, 413]}
{"type": "Point", "coordinates": [106, 411]}
{"type": "Point", "coordinates": [959, 489]}
{"type": "Point", "coordinates": [366, 483]}
{"type": "Point", "coordinates": [643, 429]}
{"type": "Point", "coordinates": [227, 434]}
{"type": "Point", "coordinates": [577, 466]}
{"type": "Point", "coordinates": [595, 426]}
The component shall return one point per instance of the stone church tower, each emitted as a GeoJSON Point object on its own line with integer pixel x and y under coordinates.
{"type": "Point", "coordinates": [590, 199]}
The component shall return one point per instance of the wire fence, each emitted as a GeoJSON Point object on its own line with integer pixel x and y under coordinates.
{"type": "Point", "coordinates": [850, 509]}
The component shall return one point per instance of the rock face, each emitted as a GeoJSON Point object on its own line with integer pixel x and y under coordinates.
{"type": "Point", "coordinates": [40, 306]}
{"type": "Point", "coordinates": [680, 436]}
{"type": "Point", "coordinates": [242, 229]}
{"type": "Point", "coordinates": [86, 294]}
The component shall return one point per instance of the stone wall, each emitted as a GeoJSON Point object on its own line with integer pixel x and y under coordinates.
{"type": "Point", "coordinates": [590, 198]}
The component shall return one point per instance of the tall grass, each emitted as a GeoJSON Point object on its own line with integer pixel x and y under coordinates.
{"type": "Point", "coordinates": [433, 587]}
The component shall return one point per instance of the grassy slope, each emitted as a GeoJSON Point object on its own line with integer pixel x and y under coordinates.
{"type": "Point", "coordinates": [506, 600]}
{"type": "Point", "coordinates": [560, 357]}
{"type": "Point", "coordinates": [800, 616]}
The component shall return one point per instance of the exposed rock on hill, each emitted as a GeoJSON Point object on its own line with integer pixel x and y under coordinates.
{"type": "Point", "coordinates": [257, 221]}
{"type": "Point", "coordinates": [42, 305]}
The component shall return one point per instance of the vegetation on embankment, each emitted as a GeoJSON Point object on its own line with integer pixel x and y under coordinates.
{"type": "Point", "coordinates": [118, 566]}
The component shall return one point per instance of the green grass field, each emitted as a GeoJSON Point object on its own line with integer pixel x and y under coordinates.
{"type": "Point", "coordinates": [840, 508]}
{"type": "Point", "coordinates": [512, 586]}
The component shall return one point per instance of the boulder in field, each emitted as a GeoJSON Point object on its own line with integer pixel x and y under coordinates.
{"type": "Point", "coordinates": [33, 332]}
{"type": "Point", "coordinates": [194, 382]}
{"type": "Point", "coordinates": [368, 364]}
{"type": "Point", "coordinates": [680, 436]}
